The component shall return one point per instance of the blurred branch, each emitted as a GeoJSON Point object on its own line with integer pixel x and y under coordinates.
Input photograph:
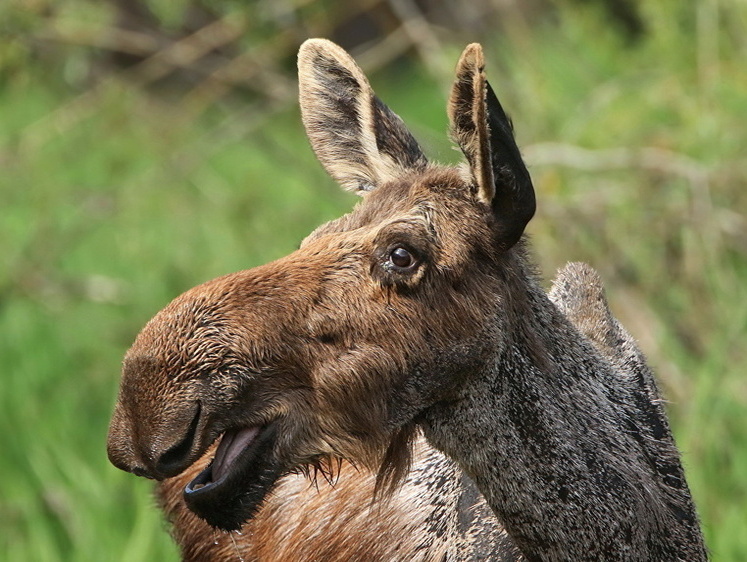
{"type": "Point", "coordinates": [161, 59]}
{"type": "Point", "coordinates": [420, 33]}
{"type": "Point", "coordinates": [179, 53]}
{"type": "Point", "coordinates": [256, 69]}
{"type": "Point", "coordinates": [101, 37]}
{"type": "Point", "coordinates": [649, 158]}
{"type": "Point", "coordinates": [379, 54]}
{"type": "Point", "coordinates": [713, 221]}
{"type": "Point", "coordinates": [185, 52]}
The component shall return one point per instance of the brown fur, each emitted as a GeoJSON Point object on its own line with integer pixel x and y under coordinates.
{"type": "Point", "coordinates": [418, 309]}
{"type": "Point", "coordinates": [337, 520]}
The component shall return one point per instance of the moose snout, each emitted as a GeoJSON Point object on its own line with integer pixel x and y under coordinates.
{"type": "Point", "coordinates": [120, 447]}
{"type": "Point", "coordinates": [162, 452]}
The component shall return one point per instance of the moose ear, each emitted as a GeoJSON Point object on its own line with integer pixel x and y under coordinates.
{"type": "Point", "coordinates": [485, 135]}
{"type": "Point", "coordinates": [357, 138]}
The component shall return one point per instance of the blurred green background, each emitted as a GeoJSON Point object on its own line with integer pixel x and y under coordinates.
{"type": "Point", "coordinates": [148, 146]}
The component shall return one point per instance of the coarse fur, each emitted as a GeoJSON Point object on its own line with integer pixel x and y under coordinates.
{"type": "Point", "coordinates": [436, 515]}
{"type": "Point", "coordinates": [419, 309]}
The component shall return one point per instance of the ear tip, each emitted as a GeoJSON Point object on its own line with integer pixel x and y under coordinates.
{"type": "Point", "coordinates": [474, 48]}
{"type": "Point", "coordinates": [317, 52]}
{"type": "Point", "coordinates": [312, 46]}
{"type": "Point", "coordinates": [472, 56]}
{"type": "Point", "coordinates": [317, 45]}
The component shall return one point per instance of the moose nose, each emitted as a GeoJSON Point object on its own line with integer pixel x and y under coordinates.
{"type": "Point", "coordinates": [153, 453]}
{"type": "Point", "coordinates": [120, 446]}
{"type": "Point", "coordinates": [170, 463]}
{"type": "Point", "coordinates": [177, 458]}
{"type": "Point", "coordinates": [139, 471]}
{"type": "Point", "coordinates": [122, 457]}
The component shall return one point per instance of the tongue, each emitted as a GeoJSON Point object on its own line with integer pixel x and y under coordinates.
{"type": "Point", "coordinates": [232, 443]}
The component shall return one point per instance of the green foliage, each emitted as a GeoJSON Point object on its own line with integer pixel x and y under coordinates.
{"type": "Point", "coordinates": [116, 199]}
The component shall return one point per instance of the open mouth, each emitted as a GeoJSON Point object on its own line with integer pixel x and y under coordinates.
{"type": "Point", "coordinates": [232, 487]}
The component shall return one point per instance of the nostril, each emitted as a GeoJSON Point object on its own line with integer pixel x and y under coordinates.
{"type": "Point", "coordinates": [173, 461]}
{"type": "Point", "coordinates": [140, 471]}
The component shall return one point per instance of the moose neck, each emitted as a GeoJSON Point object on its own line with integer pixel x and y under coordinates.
{"type": "Point", "coordinates": [568, 458]}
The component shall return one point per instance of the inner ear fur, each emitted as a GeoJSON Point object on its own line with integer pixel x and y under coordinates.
{"type": "Point", "coordinates": [484, 133]}
{"type": "Point", "coordinates": [468, 118]}
{"type": "Point", "coordinates": [355, 136]}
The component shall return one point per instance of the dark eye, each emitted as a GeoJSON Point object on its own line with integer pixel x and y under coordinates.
{"type": "Point", "coordinates": [401, 258]}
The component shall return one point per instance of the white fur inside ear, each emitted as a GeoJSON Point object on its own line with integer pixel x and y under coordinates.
{"type": "Point", "coordinates": [340, 112]}
{"type": "Point", "coordinates": [469, 119]}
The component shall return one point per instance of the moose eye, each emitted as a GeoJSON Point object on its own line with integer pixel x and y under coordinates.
{"type": "Point", "coordinates": [402, 258]}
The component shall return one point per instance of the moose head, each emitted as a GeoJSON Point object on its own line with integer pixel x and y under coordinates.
{"type": "Point", "coordinates": [338, 349]}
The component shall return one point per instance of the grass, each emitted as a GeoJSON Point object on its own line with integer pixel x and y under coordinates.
{"type": "Point", "coordinates": [108, 217]}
